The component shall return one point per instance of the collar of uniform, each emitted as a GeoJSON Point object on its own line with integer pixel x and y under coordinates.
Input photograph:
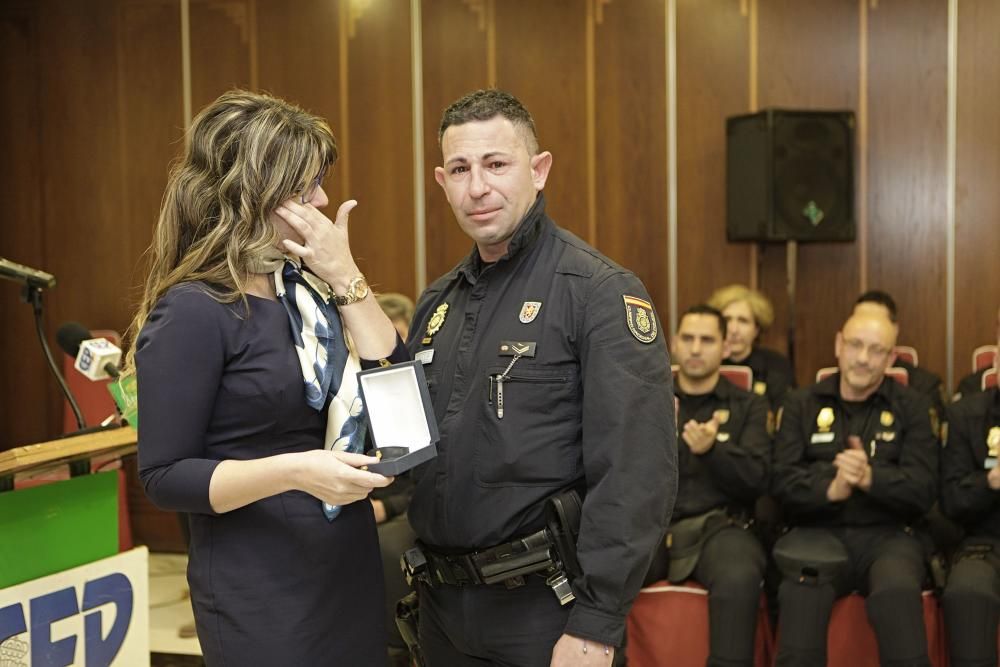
{"type": "Point", "coordinates": [723, 389]}
{"type": "Point", "coordinates": [524, 236]}
{"type": "Point", "coordinates": [830, 387]}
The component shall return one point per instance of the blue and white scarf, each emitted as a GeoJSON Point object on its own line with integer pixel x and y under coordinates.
{"type": "Point", "coordinates": [329, 362]}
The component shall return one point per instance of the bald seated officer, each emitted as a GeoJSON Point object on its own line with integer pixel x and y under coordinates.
{"type": "Point", "coordinates": [855, 463]}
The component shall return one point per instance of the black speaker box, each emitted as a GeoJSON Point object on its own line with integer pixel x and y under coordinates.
{"type": "Point", "coordinates": [790, 176]}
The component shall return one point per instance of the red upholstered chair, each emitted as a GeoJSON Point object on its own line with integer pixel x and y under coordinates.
{"type": "Point", "coordinates": [897, 373]}
{"type": "Point", "coordinates": [908, 354]}
{"type": "Point", "coordinates": [983, 357]}
{"type": "Point", "coordinates": [740, 376]}
{"type": "Point", "coordinates": [989, 378]}
{"type": "Point", "coordinates": [668, 625]}
{"type": "Point", "coordinates": [851, 640]}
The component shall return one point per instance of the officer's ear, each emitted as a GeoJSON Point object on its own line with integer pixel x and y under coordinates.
{"type": "Point", "coordinates": [540, 166]}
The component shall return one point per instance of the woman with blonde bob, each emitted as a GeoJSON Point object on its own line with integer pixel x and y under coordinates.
{"type": "Point", "coordinates": [748, 313]}
{"type": "Point", "coordinates": [254, 322]}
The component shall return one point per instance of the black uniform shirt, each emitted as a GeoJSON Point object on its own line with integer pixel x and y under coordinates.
{"type": "Point", "coordinates": [970, 384]}
{"type": "Point", "coordinates": [926, 383]}
{"type": "Point", "coordinates": [772, 374]}
{"type": "Point", "coordinates": [734, 472]}
{"type": "Point", "coordinates": [896, 434]}
{"type": "Point", "coordinates": [592, 409]}
{"type": "Point", "coordinates": [966, 496]}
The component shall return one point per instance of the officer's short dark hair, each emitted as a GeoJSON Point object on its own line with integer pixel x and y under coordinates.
{"type": "Point", "coordinates": [705, 309]}
{"type": "Point", "coordinates": [487, 104]}
{"type": "Point", "coordinates": [882, 298]}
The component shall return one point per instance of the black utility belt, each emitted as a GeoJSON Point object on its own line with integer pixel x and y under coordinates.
{"type": "Point", "coordinates": [506, 564]}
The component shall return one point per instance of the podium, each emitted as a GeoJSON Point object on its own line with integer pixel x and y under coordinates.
{"type": "Point", "coordinates": [67, 596]}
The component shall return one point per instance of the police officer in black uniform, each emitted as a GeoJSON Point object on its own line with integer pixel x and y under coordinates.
{"type": "Point", "coordinates": [920, 379]}
{"type": "Point", "coordinates": [971, 495]}
{"type": "Point", "coordinates": [748, 314]}
{"type": "Point", "coordinates": [548, 372]}
{"type": "Point", "coordinates": [724, 453]}
{"type": "Point", "coordinates": [855, 463]}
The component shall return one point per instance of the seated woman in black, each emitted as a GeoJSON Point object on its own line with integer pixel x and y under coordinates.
{"type": "Point", "coordinates": [748, 313]}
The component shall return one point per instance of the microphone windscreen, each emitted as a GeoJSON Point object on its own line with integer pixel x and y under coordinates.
{"type": "Point", "coordinates": [70, 335]}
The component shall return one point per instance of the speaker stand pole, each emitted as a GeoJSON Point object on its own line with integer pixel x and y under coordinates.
{"type": "Point", "coordinates": [791, 264]}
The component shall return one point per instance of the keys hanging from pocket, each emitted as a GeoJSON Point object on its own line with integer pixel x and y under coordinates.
{"type": "Point", "coordinates": [500, 377]}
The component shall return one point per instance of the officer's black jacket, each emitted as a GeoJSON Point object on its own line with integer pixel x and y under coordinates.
{"type": "Point", "coordinates": [970, 384]}
{"type": "Point", "coordinates": [772, 373]}
{"type": "Point", "coordinates": [965, 495]}
{"type": "Point", "coordinates": [926, 383]}
{"type": "Point", "coordinates": [593, 409]}
{"type": "Point", "coordinates": [734, 472]}
{"type": "Point", "coordinates": [904, 465]}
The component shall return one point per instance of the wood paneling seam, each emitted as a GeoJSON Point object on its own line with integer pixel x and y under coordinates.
{"type": "Point", "coordinates": [950, 198]}
{"type": "Point", "coordinates": [186, 62]}
{"type": "Point", "coordinates": [591, 122]}
{"type": "Point", "coordinates": [671, 55]}
{"type": "Point", "coordinates": [344, 19]}
{"type": "Point", "coordinates": [419, 203]}
{"type": "Point", "coordinates": [754, 101]}
{"type": "Point", "coordinates": [862, 202]}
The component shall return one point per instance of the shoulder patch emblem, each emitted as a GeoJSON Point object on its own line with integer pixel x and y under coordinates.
{"type": "Point", "coordinates": [640, 318]}
{"type": "Point", "coordinates": [529, 311]}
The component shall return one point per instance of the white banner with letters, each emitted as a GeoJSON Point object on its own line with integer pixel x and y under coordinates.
{"type": "Point", "coordinates": [95, 615]}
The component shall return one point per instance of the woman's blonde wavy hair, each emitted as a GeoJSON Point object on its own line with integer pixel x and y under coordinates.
{"type": "Point", "coordinates": [246, 154]}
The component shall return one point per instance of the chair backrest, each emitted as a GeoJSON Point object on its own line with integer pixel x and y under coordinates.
{"type": "Point", "coordinates": [907, 354]}
{"type": "Point", "coordinates": [740, 376]}
{"type": "Point", "coordinates": [984, 356]}
{"type": "Point", "coordinates": [989, 378]}
{"type": "Point", "coordinates": [897, 373]}
{"type": "Point", "coordinates": [93, 396]}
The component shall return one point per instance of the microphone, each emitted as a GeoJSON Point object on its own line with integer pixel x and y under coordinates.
{"type": "Point", "coordinates": [96, 358]}
{"type": "Point", "coordinates": [26, 275]}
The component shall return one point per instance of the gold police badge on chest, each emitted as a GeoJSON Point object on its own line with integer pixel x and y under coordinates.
{"type": "Point", "coordinates": [640, 318]}
{"type": "Point", "coordinates": [435, 323]}
{"type": "Point", "coordinates": [529, 311]}
{"type": "Point", "coordinates": [993, 442]}
{"type": "Point", "coordinates": [824, 420]}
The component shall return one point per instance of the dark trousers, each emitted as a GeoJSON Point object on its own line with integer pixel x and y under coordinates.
{"type": "Point", "coordinates": [888, 566]}
{"type": "Point", "coordinates": [476, 626]}
{"type": "Point", "coordinates": [971, 604]}
{"type": "Point", "coordinates": [395, 536]}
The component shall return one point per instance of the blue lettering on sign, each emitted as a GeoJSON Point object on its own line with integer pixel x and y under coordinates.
{"type": "Point", "coordinates": [46, 609]}
{"type": "Point", "coordinates": [86, 359]}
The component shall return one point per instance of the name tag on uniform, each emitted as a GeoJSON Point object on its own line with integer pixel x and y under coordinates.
{"type": "Point", "coordinates": [425, 356]}
{"type": "Point", "coordinates": [520, 348]}
{"type": "Point", "coordinates": [822, 438]}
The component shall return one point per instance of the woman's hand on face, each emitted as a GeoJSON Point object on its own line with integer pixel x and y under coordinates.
{"type": "Point", "coordinates": [326, 247]}
{"type": "Point", "coordinates": [335, 477]}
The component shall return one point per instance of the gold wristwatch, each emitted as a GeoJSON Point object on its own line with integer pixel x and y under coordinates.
{"type": "Point", "coordinates": [357, 290]}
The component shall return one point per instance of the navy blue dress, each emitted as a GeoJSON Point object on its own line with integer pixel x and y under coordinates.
{"type": "Point", "coordinates": [272, 583]}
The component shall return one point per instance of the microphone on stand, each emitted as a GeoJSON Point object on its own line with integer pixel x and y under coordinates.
{"type": "Point", "coordinates": [26, 275]}
{"type": "Point", "coordinates": [96, 358]}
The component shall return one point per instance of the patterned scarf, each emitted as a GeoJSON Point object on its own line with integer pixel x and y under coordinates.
{"type": "Point", "coordinates": [329, 362]}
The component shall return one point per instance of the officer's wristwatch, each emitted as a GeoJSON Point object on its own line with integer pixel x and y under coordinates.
{"type": "Point", "coordinates": [357, 290]}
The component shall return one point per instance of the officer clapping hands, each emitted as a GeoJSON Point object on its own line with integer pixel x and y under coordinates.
{"type": "Point", "coordinates": [700, 436]}
{"type": "Point", "coordinates": [853, 471]}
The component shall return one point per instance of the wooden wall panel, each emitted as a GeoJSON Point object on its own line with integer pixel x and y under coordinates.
{"type": "Point", "coordinates": [24, 404]}
{"type": "Point", "coordinates": [380, 148]}
{"type": "Point", "coordinates": [631, 141]}
{"type": "Point", "coordinates": [712, 83]}
{"type": "Point", "coordinates": [455, 52]}
{"type": "Point", "coordinates": [809, 60]}
{"type": "Point", "coordinates": [221, 48]}
{"type": "Point", "coordinates": [82, 180]}
{"type": "Point", "coordinates": [977, 232]}
{"type": "Point", "coordinates": [151, 128]}
{"type": "Point", "coordinates": [541, 60]}
{"type": "Point", "coordinates": [907, 184]}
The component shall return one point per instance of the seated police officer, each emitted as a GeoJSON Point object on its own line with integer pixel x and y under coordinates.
{"type": "Point", "coordinates": [723, 459]}
{"type": "Point", "coordinates": [855, 462]}
{"type": "Point", "coordinates": [971, 495]}
{"type": "Point", "coordinates": [881, 303]}
{"type": "Point", "coordinates": [748, 314]}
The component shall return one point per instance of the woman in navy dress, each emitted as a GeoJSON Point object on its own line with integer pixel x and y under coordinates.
{"type": "Point", "coordinates": [240, 355]}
